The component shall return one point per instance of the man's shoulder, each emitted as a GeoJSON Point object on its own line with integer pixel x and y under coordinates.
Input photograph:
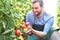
{"type": "Point", "coordinates": [30, 13]}
{"type": "Point", "coordinates": [48, 15]}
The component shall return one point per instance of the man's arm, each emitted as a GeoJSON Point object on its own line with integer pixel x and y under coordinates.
{"type": "Point", "coordinates": [38, 33]}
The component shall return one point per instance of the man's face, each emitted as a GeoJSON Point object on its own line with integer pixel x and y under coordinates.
{"type": "Point", "coordinates": [36, 8]}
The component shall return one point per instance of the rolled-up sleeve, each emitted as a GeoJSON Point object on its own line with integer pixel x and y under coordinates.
{"type": "Point", "coordinates": [48, 24]}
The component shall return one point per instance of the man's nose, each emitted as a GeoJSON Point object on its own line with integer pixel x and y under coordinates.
{"type": "Point", "coordinates": [34, 10]}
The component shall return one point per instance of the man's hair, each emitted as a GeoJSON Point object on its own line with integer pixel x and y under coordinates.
{"type": "Point", "coordinates": [40, 2]}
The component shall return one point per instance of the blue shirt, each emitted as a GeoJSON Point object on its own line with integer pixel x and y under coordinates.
{"type": "Point", "coordinates": [46, 19]}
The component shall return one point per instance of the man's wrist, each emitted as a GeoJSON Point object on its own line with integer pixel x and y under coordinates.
{"type": "Point", "coordinates": [32, 30]}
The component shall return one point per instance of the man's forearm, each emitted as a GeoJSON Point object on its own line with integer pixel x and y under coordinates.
{"type": "Point", "coordinates": [38, 33]}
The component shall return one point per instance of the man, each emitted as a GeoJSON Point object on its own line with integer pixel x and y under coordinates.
{"type": "Point", "coordinates": [40, 21]}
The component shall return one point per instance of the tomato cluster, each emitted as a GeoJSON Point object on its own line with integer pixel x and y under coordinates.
{"type": "Point", "coordinates": [25, 26]}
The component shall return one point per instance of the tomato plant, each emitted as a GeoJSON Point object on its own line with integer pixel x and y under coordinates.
{"type": "Point", "coordinates": [12, 13]}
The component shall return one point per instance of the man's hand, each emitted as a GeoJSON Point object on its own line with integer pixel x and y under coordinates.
{"type": "Point", "coordinates": [30, 29]}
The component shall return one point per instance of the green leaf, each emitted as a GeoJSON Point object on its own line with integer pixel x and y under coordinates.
{"type": "Point", "coordinates": [7, 31]}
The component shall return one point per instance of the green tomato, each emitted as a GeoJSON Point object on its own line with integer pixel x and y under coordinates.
{"type": "Point", "coordinates": [25, 30]}
{"type": "Point", "coordinates": [20, 38]}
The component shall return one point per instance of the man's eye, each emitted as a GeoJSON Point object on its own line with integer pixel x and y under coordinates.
{"type": "Point", "coordinates": [35, 8]}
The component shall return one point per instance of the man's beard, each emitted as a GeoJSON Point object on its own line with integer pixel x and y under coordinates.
{"type": "Point", "coordinates": [39, 13]}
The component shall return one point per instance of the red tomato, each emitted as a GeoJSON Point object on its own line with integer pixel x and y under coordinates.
{"type": "Point", "coordinates": [27, 24]}
{"type": "Point", "coordinates": [23, 23]}
{"type": "Point", "coordinates": [23, 26]}
{"type": "Point", "coordinates": [16, 28]}
{"type": "Point", "coordinates": [17, 32]}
